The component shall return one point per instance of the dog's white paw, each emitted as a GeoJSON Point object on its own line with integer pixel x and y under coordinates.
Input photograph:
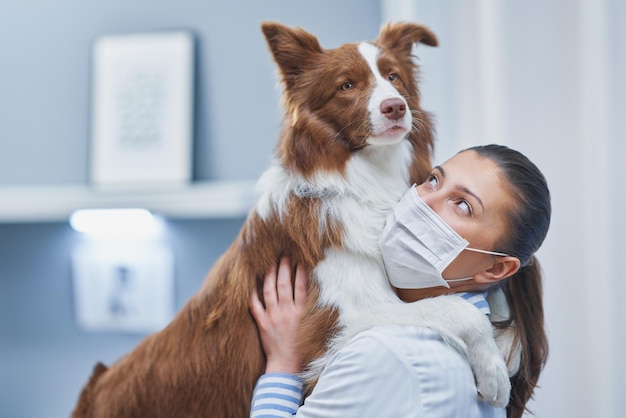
{"type": "Point", "coordinates": [469, 331]}
{"type": "Point", "coordinates": [490, 372]}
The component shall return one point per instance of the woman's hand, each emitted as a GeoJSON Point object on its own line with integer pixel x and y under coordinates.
{"type": "Point", "coordinates": [278, 321]}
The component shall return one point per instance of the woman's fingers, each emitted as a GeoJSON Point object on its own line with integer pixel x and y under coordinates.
{"type": "Point", "coordinates": [283, 282]}
{"type": "Point", "coordinates": [256, 307]}
{"type": "Point", "coordinates": [269, 288]}
{"type": "Point", "coordinates": [300, 290]}
{"type": "Point", "coordinates": [278, 290]}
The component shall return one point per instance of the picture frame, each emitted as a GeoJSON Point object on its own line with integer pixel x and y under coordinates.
{"type": "Point", "coordinates": [142, 109]}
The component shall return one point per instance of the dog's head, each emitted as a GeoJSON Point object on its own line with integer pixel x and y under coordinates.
{"type": "Point", "coordinates": [356, 96]}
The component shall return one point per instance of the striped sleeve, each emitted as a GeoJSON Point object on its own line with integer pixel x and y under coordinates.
{"type": "Point", "coordinates": [276, 395]}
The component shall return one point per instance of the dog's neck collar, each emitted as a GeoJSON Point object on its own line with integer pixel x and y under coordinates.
{"type": "Point", "coordinates": [311, 191]}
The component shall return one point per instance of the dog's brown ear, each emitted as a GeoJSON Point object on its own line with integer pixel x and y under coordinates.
{"type": "Point", "coordinates": [400, 37]}
{"type": "Point", "coordinates": [292, 48]}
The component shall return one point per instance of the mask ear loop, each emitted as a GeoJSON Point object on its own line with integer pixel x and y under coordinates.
{"type": "Point", "coordinates": [476, 250]}
{"type": "Point", "coordinates": [459, 280]}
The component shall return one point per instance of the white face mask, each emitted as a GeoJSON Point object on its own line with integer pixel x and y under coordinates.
{"type": "Point", "coordinates": [417, 245]}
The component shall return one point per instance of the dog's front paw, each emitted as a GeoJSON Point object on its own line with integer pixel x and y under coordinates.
{"type": "Point", "coordinates": [491, 374]}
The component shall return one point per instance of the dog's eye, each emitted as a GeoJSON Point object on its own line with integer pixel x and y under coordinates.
{"type": "Point", "coordinates": [348, 85]}
{"type": "Point", "coordinates": [393, 77]}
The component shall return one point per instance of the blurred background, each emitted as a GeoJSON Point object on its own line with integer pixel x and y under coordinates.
{"type": "Point", "coordinates": [540, 76]}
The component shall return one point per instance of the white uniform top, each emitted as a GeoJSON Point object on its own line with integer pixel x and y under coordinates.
{"type": "Point", "coordinates": [397, 371]}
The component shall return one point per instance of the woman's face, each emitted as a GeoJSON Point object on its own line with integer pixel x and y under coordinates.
{"type": "Point", "coordinates": [468, 194]}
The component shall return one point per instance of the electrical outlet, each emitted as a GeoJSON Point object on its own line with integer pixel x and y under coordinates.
{"type": "Point", "coordinates": [126, 287]}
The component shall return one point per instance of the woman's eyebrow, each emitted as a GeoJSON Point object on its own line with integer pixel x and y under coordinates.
{"type": "Point", "coordinates": [464, 189]}
{"type": "Point", "coordinates": [461, 188]}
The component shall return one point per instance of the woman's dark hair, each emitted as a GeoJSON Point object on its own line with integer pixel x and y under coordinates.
{"type": "Point", "coordinates": [527, 228]}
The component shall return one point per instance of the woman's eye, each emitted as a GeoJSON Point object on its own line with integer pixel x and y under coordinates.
{"type": "Point", "coordinates": [347, 86]}
{"type": "Point", "coordinates": [432, 180]}
{"type": "Point", "coordinates": [464, 207]}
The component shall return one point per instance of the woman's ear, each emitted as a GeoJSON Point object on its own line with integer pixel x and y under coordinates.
{"type": "Point", "coordinates": [501, 269]}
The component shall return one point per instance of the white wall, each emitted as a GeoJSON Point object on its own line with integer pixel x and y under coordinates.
{"type": "Point", "coordinates": [543, 77]}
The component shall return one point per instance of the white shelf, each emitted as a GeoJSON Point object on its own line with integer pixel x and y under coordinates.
{"type": "Point", "coordinates": [202, 200]}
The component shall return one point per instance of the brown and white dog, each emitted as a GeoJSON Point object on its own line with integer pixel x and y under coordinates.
{"type": "Point", "coordinates": [354, 139]}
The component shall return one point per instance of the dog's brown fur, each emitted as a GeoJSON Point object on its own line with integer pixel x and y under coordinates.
{"type": "Point", "coordinates": [206, 361]}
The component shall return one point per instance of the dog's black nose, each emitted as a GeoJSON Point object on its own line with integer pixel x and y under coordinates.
{"type": "Point", "coordinates": [393, 109]}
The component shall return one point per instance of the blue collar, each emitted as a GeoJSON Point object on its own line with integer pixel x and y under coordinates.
{"type": "Point", "coordinates": [478, 299]}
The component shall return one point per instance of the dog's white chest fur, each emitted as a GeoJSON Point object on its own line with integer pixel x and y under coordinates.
{"type": "Point", "coordinates": [351, 277]}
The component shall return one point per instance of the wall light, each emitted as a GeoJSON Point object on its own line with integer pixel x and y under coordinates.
{"type": "Point", "coordinates": [122, 223]}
